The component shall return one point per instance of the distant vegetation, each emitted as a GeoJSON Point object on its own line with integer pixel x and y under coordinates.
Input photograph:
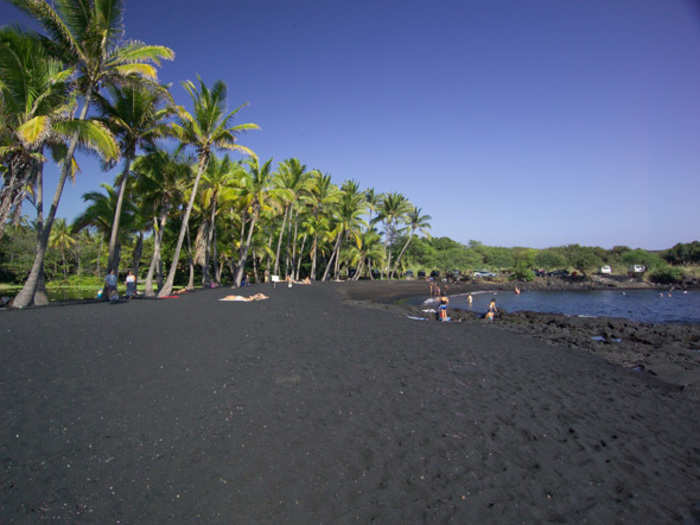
{"type": "Point", "coordinates": [85, 254]}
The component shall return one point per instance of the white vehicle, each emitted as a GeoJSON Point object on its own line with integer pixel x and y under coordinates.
{"type": "Point", "coordinates": [638, 268]}
{"type": "Point", "coordinates": [606, 269]}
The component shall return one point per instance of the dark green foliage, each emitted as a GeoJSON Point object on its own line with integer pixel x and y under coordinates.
{"type": "Point", "coordinates": [550, 259]}
{"type": "Point", "coordinates": [648, 259]}
{"type": "Point", "coordinates": [16, 253]}
{"type": "Point", "coordinates": [684, 253]}
{"type": "Point", "coordinates": [666, 275]}
{"type": "Point", "coordinates": [522, 272]}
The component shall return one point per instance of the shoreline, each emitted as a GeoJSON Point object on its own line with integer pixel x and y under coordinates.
{"type": "Point", "coordinates": [669, 352]}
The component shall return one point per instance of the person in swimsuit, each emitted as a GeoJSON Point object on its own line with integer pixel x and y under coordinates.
{"type": "Point", "coordinates": [442, 309]}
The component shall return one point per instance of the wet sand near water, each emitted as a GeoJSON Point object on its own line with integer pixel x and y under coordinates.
{"type": "Point", "coordinates": [307, 408]}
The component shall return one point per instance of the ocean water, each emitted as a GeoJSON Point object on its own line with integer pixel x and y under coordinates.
{"type": "Point", "coordinates": [638, 305]}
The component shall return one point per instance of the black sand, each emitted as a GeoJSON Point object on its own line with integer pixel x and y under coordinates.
{"type": "Point", "coordinates": [305, 409]}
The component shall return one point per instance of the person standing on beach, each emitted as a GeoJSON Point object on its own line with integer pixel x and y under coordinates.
{"type": "Point", "coordinates": [111, 285]}
{"type": "Point", "coordinates": [130, 285]}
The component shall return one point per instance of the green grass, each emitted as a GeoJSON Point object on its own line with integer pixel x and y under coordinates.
{"type": "Point", "coordinates": [72, 289]}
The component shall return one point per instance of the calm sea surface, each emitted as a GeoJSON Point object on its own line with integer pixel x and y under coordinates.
{"type": "Point", "coordinates": [639, 305]}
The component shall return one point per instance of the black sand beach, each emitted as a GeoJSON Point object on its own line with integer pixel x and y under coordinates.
{"type": "Point", "coordinates": [306, 408]}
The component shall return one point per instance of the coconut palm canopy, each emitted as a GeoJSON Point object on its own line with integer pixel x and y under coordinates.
{"type": "Point", "coordinates": [83, 83]}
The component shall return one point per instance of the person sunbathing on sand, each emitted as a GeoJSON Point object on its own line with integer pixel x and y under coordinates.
{"type": "Point", "coordinates": [239, 298]}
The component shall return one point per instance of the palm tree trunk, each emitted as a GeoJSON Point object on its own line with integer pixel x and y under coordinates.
{"type": "Point", "coordinates": [403, 250]}
{"type": "Point", "coordinates": [11, 191]}
{"type": "Point", "coordinates": [41, 298]}
{"type": "Point", "coordinates": [99, 255]}
{"type": "Point", "coordinates": [294, 244]}
{"type": "Point", "coordinates": [219, 271]}
{"type": "Point", "coordinates": [26, 296]}
{"type": "Point", "coordinates": [155, 260]}
{"type": "Point", "coordinates": [279, 241]}
{"type": "Point", "coordinates": [266, 273]}
{"type": "Point", "coordinates": [288, 251]}
{"type": "Point", "coordinates": [313, 257]}
{"type": "Point", "coordinates": [243, 221]}
{"type": "Point", "coordinates": [333, 255]}
{"type": "Point", "coordinates": [211, 251]}
{"type": "Point", "coordinates": [112, 262]}
{"type": "Point", "coordinates": [190, 261]}
{"type": "Point", "coordinates": [255, 267]}
{"type": "Point", "coordinates": [241, 263]}
{"type": "Point", "coordinates": [358, 271]}
{"type": "Point", "coordinates": [301, 251]}
{"type": "Point", "coordinates": [337, 259]}
{"type": "Point", "coordinates": [206, 269]}
{"type": "Point", "coordinates": [168, 286]}
{"type": "Point", "coordinates": [136, 258]}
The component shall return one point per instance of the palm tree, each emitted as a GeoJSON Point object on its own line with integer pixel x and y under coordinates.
{"type": "Point", "coordinates": [161, 181]}
{"type": "Point", "coordinates": [132, 113]}
{"type": "Point", "coordinates": [290, 179]}
{"type": "Point", "coordinates": [61, 240]}
{"type": "Point", "coordinates": [87, 36]}
{"type": "Point", "coordinates": [369, 247]}
{"type": "Point", "coordinates": [323, 196]}
{"type": "Point", "coordinates": [374, 200]}
{"type": "Point", "coordinates": [415, 221]}
{"type": "Point", "coordinates": [36, 111]}
{"type": "Point", "coordinates": [208, 128]}
{"type": "Point", "coordinates": [100, 212]}
{"type": "Point", "coordinates": [349, 216]}
{"type": "Point", "coordinates": [218, 186]}
{"type": "Point", "coordinates": [255, 193]}
{"type": "Point", "coordinates": [33, 99]}
{"type": "Point", "coordinates": [393, 209]}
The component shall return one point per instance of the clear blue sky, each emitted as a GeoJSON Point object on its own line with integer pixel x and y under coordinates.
{"type": "Point", "coordinates": [535, 123]}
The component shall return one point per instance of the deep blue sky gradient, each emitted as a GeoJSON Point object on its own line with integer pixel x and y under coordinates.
{"type": "Point", "coordinates": [533, 123]}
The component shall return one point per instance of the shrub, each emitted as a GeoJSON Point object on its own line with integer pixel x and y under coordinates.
{"type": "Point", "coordinates": [522, 272]}
{"type": "Point", "coordinates": [666, 275]}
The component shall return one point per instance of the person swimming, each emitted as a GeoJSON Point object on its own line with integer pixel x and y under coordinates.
{"type": "Point", "coordinates": [492, 306]}
{"type": "Point", "coordinates": [470, 299]}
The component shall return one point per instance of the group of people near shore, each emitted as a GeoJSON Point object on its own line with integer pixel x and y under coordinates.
{"type": "Point", "coordinates": [444, 300]}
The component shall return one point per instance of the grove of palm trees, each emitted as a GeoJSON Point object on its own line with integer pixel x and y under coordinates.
{"type": "Point", "coordinates": [186, 211]}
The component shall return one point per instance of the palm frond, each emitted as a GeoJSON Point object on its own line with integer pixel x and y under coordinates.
{"type": "Point", "coordinates": [93, 135]}
{"type": "Point", "coordinates": [34, 131]}
{"type": "Point", "coordinates": [138, 52]}
{"type": "Point", "coordinates": [143, 70]}
{"type": "Point", "coordinates": [49, 19]}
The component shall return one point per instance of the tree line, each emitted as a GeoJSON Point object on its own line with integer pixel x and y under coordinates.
{"type": "Point", "coordinates": [81, 85]}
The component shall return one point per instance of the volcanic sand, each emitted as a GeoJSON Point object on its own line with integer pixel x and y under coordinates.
{"type": "Point", "coordinates": [307, 409]}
